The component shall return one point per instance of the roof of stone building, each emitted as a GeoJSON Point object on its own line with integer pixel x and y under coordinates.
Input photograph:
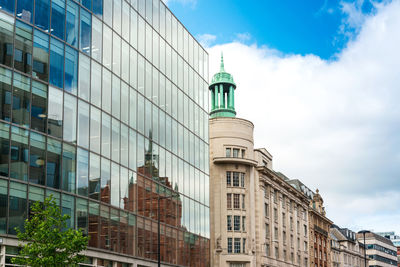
{"type": "Point", "coordinates": [377, 237]}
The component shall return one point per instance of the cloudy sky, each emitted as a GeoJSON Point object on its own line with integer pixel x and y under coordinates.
{"type": "Point", "coordinates": [325, 103]}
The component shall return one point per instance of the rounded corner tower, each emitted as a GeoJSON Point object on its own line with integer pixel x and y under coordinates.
{"type": "Point", "coordinates": [222, 86]}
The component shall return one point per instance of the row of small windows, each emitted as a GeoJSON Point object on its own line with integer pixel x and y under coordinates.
{"type": "Point", "coordinates": [292, 259]}
{"type": "Point", "coordinates": [235, 152]}
{"type": "Point", "coordinates": [238, 201]}
{"type": "Point", "coordinates": [235, 179]}
{"type": "Point", "coordinates": [239, 223]}
{"type": "Point", "coordinates": [236, 245]}
{"type": "Point", "coordinates": [382, 249]}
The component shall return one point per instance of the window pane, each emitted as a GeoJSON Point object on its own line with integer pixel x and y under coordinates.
{"type": "Point", "coordinates": [105, 135]}
{"type": "Point", "coordinates": [95, 129]}
{"type": "Point", "coordinates": [21, 100]}
{"type": "Point", "coordinates": [94, 178]}
{"type": "Point", "coordinates": [5, 94]}
{"type": "Point", "coordinates": [3, 206]}
{"type": "Point", "coordinates": [115, 131]}
{"type": "Point", "coordinates": [82, 215]}
{"type": "Point", "coordinates": [69, 118]}
{"type": "Point", "coordinates": [125, 21]}
{"type": "Point", "coordinates": [42, 14]}
{"type": "Point", "coordinates": [116, 96]}
{"type": "Point", "coordinates": [4, 148]}
{"type": "Point", "coordinates": [23, 47]}
{"type": "Point", "coordinates": [57, 18]}
{"type": "Point", "coordinates": [84, 76]}
{"type": "Point", "coordinates": [124, 102]}
{"type": "Point", "coordinates": [97, 36]}
{"type": "Point", "coordinates": [56, 63]}
{"type": "Point", "coordinates": [108, 8]}
{"type": "Point", "coordinates": [105, 181]}
{"type": "Point", "coordinates": [124, 145]}
{"type": "Point", "coordinates": [95, 93]}
{"type": "Point", "coordinates": [39, 106]}
{"type": "Point", "coordinates": [17, 207]}
{"type": "Point", "coordinates": [115, 184]}
{"type": "Point", "coordinates": [82, 170]}
{"type": "Point", "coordinates": [37, 159]}
{"type": "Point", "coordinates": [68, 208]}
{"type": "Point", "coordinates": [83, 124]}
{"type": "Point", "coordinates": [55, 121]}
{"type": "Point", "coordinates": [71, 70]}
{"type": "Point", "coordinates": [68, 166]}
{"type": "Point", "coordinates": [106, 93]}
{"type": "Point", "coordinates": [125, 61]}
{"type": "Point", "coordinates": [19, 154]}
{"type": "Point", "coordinates": [117, 16]}
{"type": "Point", "coordinates": [6, 38]}
{"type": "Point", "coordinates": [132, 149]}
{"type": "Point", "coordinates": [93, 224]}
{"type": "Point", "coordinates": [88, 3]}
{"type": "Point", "coordinates": [116, 66]}
{"type": "Point", "coordinates": [7, 5]}
{"type": "Point", "coordinates": [132, 107]}
{"type": "Point", "coordinates": [98, 8]}
{"type": "Point", "coordinates": [85, 30]}
{"type": "Point", "coordinates": [53, 163]}
{"type": "Point", "coordinates": [107, 46]}
{"type": "Point", "coordinates": [72, 23]}
{"type": "Point", "coordinates": [25, 10]}
{"type": "Point", "coordinates": [40, 56]}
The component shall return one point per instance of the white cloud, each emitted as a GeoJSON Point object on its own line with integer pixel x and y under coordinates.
{"type": "Point", "coordinates": [191, 3]}
{"type": "Point", "coordinates": [333, 124]}
{"type": "Point", "coordinates": [206, 39]}
{"type": "Point", "coordinates": [243, 37]}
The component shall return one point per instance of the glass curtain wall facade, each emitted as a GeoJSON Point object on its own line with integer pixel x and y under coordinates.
{"type": "Point", "coordinates": [104, 105]}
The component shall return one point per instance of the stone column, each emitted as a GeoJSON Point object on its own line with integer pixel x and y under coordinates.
{"type": "Point", "coordinates": [222, 96]}
{"type": "Point", "coordinates": [212, 99]}
{"type": "Point", "coordinates": [232, 98]}
{"type": "Point", "coordinates": [216, 96]}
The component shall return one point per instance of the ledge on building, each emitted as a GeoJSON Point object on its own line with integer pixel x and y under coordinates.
{"type": "Point", "coordinates": [232, 160]}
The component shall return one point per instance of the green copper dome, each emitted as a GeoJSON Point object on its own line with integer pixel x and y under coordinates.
{"type": "Point", "coordinates": [222, 89]}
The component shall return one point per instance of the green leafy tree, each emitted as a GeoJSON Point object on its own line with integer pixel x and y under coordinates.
{"type": "Point", "coordinates": [47, 241]}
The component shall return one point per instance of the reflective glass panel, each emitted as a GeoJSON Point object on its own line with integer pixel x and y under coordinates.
{"type": "Point", "coordinates": [115, 184]}
{"type": "Point", "coordinates": [117, 16]}
{"type": "Point", "coordinates": [37, 159]}
{"type": "Point", "coordinates": [95, 129]}
{"type": "Point", "coordinates": [124, 145]}
{"type": "Point", "coordinates": [105, 181]}
{"type": "Point", "coordinates": [5, 94]}
{"type": "Point", "coordinates": [72, 23]}
{"type": "Point", "coordinates": [69, 167]}
{"type": "Point", "coordinates": [105, 135]}
{"type": "Point", "coordinates": [17, 207]}
{"type": "Point", "coordinates": [19, 154]}
{"type": "Point", "coordinates": [95, 88]}
{"type": "Point", "coordinates": [115, 132]}
{"type": "Point", "coordinates": [53, 163]}
{"type": "Point", "coordinates": [71, 70]}
{"type": "Point", "coordinates": [7, 5]}
{"type": "Point", "coordinates": [4, 148]}
{"type": "Point", "coordinates": [25, 10]}
{"type": "Point", "coordinates": [116, 96]}
{"type": "Point", "coordinates": [88, 3]}
{"type": "Point", "coordinates": [68, 207]}
{"type": "Point", "coordinates": [84, 76]}
{"type": "Point", "coordinates": [3, 206]}
{"type": "Point", "coordinates": [108, 8]}
{"type": "Point", "coordinates": [106, 92]}
{"type": "Point", "coordinates": [56, 63]}
{"type": "Point", "coordinates": [97, 37]}
{"type": "Point", "coordinates": [40, 56]}
{"type": "Point", "coordinates": [98, 8]}
{"type": "Point", "coordinates": [42, 14]}
{"type": "Point", "coordinates": [82, 215]}
{"type": "Point", "coordinates": [39, 106]}
{"type": "Point", "coordinates": [69, 118]}
{"type": "Point", "coordinates": [58, 18]}
{"type": "Point", "coordinates": [94, 177]}
{"type": "Point", "coordinates": [107, 46]}
{"type": "Point", "coordinates": [6, 38]}
{"type": "Point", "coordinates": [83, 124]}
{"type": "Point", "coordinates": [82, 171]}
{"type": "Point", "coordinates": [124, 102]}
{"type": "Point", "coordinates": [21, 100]}
{"type": "Point", "coordinates": [23, 47]}
{"type": "Point", "coordinates": [116, 54]}
{"type": "Point", "coordinates": [85, 32]}
{"type": "Point", "coordinates": [55, 117]}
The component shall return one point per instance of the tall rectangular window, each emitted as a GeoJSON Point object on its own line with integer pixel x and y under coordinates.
{"type": "Point", "coordinates": [71, 70]}
{"type": "Point", "coordinates": [242, 179]}
{"type": "Point", "coordinates": [39, 106]}
{"type": "Point", "coordinates": [229, 201]}
{"type": "Point", "coordinates": [235, 179]}
{"type": "Point", "coordinates": [69, 168]}
{"type": "Point", "coordinates": [6, 38]}
{"type": "Point", "coordinates": [229, 245]}
{"type": "Point", "coordinates": [236, 152]}
{"type": "Point", "coordinates": [42, 14]}
{"type": "Point", "coordinates": [83, 124]}
{"type": "Point", "coordinates": [236, 201]}
{"type": "Point", "coordinates": [69, 118]}
{"type": "Point", "coordinates": [97, 38]}
{"type": "Point", "coordinates": [72, 27]}
{"type": "Point", "coordinates": [237, 245]}
{"type": "Point", "coordinates": [228, 178]}
{"type": "Point", "coordinates": [40, 56]}
{"type": "Point", "coordinates": [37, 158]}
{"type": "Point", "coordinates": [236, 223]}
{"type": "Point", "coordinates": [229, 223]}
{"type": "Point", "coordinates": [21, 100]}
{"type": "Point", "coordinates": [53, 163]}
{"type": "Point", "coordinates": [85, 32]}
{"type": "Point", "coordinates": [82, 170]}
{"type": "Point", "coordinates": [23, 47]}
{"type": "Point", "coordinates": [56, 63]}
{"type": "Point", "coordinates": [243, 223]}
{"type": "Point", "coordinates": [243, 201]}
{"type": "Point", "coordinates": [17, 207]}
{"type": "Point", "coordinates": [58, 18]}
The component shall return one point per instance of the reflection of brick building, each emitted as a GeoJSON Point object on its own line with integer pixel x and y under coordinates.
{"type": "Point", "coordinates": [137, 235]}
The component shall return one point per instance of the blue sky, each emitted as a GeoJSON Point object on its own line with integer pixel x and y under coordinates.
{"type": "Point", "coordinates": [327, 75]}
{"type": "Point", "coordinates": [292, 27]}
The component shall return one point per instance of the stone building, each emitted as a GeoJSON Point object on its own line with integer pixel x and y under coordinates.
{"type": "Point", "coordinates": [257, 218]}
{"type": "Point", "coordinates": [346, 250]}
{"type": "Point", "coordinates": [319, 225]}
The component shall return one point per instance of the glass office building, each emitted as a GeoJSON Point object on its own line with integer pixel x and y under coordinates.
{"type": "Point", "coordinates": [104, 105]}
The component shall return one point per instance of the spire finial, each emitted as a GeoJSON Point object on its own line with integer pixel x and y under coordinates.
{"type": "Point", "coordinates": [222, 69]}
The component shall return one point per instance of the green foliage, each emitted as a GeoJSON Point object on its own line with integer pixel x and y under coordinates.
{"type": "Point", "coordinates": [47, 241]}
